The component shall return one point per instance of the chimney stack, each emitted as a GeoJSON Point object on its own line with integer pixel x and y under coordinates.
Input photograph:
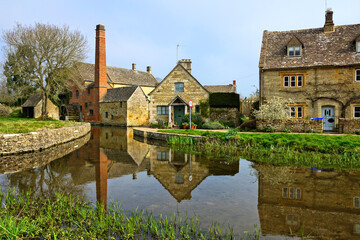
{"type": "Point", "coordinates": [234, 82]}
{"type": "Point", "coordinates": [329, 23]}
{"type": "Point", "coordinates": [100, 69]}
{"type": "Point", "coordinates": [186, 63]}
{"type": "Point", "coordinates": [148, 69]}
{"type": "Point", "coordinates": [134, 66]}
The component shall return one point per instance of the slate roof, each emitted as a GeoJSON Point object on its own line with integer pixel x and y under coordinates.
{"type": "Point", "coordinates": [121, 94]}
{"type": "Point", "coordinates": [33, 100]}
{"type": "Point", "coordinates": [319, 49]}
{"type": "Point", "coordinates": [220, 88]}
{"type": "Point", "coordinates": [118, 75]}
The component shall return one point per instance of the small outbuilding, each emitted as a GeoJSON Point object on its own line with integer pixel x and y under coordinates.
{"type": "Point", "coordinates": [126, 106]}
{"type": "Point", "coordinates": [33, 106]}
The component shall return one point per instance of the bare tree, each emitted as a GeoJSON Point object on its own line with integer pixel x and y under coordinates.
{"type": "Point", "coordinates": [46, 54]}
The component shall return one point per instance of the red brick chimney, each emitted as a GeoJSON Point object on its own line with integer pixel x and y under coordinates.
{"type": "Point", "coordinates": [100, 70]}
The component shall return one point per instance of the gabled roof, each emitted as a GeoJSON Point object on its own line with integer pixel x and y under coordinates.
{"type": "Point", "coordinates": [294, 42]}
{"type": "Point", "coordinates": [179, 64]}
{"type": "Point", "coordinates": [121, 94]}
{"type": "Point", "coordinates": [178, 101]}
{"type": "Point", "coordinates": [33, 100]}
{"type": "Point", "coordinates": [117, 75]}
{"type": "Point", "coordinates": [319, 49]}
{"type": "Point", "coordinates": [221, 88]}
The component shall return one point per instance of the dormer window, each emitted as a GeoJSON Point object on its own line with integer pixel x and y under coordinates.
{"type": "Point", "coordinates": [358, 46]}
{"type": "Point", "coordinates": [294, 47]}
{"type": "Point", "coordinates": [294, 51]}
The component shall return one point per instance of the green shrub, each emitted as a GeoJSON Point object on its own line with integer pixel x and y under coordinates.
{"type": "Point", "coordinates": [268, 129]}
{"type": "Point", "coordinates": [231, 133]}
{"type": "Point", "coordinates": [249, 125]}
{"type": "Point", "coordinates": [285, 130]}
{"type": "Point", "coordinates": [228, 124]}
{"type": "Point", "coordinates": [195, 118]}
{"type": "Point", "coordinates": [16, 113]}
{"type": "Point", "coordinates": [212, 125]}
{"type": "Point", "coordinates": [224, 100]}
{"type": "Point", "coordinates": [205, 109]}
{"type": "Point", "coordinates": [5, 111]}
{"type": "Point", "coordinates": [310, 131]}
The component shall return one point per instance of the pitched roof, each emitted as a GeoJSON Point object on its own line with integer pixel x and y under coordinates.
{"type": "Point", "coordinates": [33, 100]}
{"type": "Point", "coordinates": [220, 88]}
{"type": "Point", "coordinates": [121, 94]}
{"type": "Point", "coordinates": [319, 49]}
{"type": "Point", "coordinates": [118, 75]}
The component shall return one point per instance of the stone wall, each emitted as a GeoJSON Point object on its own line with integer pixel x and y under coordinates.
{"type": "Point", "coordinates": [20, 162]}
{"type": "Point", "coordinates": [225, 114]}
{"type": "Point", "coordinates": [137, 109]}
{"type": "Point", "coordinates": [347, 125]}
{"type": "Point", "coordinates": [294, 125]}
{"type": "Point", "coordinates": [35, 141]}
{"type": "Point", "coordinates": [116, 113]}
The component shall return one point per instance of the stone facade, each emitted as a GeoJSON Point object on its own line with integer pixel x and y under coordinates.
{"type": "Point", "coordinates": [347, 125]}
{"type": "Point", "coordinates": [294, 125]}
{"type": "Point", "coordinates": [165, 95]}
{"type": "Point", "coordinates": [36, 141]}
{"type": "Point", "coordinates": [225, 114]}
{"type": "Point", "coordinates": [318, 68]}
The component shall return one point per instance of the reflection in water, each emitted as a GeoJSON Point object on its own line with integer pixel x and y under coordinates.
{"type": "Point", "coordinates": [325, 203]}
{"type": "Point", "coordinates": [113, 165]}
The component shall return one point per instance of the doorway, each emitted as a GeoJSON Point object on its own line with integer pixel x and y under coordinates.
{"type": "Point", "coordinates": [328, 115]}
{"type": "Point", "coordinates": [179, 112]}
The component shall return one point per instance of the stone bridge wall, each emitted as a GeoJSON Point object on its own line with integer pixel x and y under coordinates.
{"type": "Point", "coordinates": [36, 141]}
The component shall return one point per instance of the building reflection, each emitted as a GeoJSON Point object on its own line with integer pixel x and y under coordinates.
{"type": "Point", "coordinates": [301, 202]}
{"type": "Point", "coordinates": [113, 153]}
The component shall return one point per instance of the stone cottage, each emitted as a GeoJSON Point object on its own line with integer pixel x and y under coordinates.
{"type": "Point", "coordinates": [169, 100]}
{"type": "Point", "coordinates": [32, 108]}
{"type": "Point", "coordinates": [318, 68]}
{"type": "Point", "coordinates": [96, 79]}
{"type": "Point", "coordinates": [126, 106]}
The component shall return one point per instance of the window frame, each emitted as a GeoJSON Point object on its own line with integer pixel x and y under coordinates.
{"type": "Point", "coordinates": [77, 93]}
{"type": "Point", "coordinates": [106, 115]}
{"type": "Point", "coordinates": [358, 46]}
{"type": "Point", "coordinates": [88, 90]}
{"type": "Point", "coordinates": [293, 80]}
{"type": "Point", "coordinates": [295, 113]}
{"type": "Point", "coordinates": [91, 112]}
{"type": "Point", "coordinates": [357, 75]}
{"type": "Point", "coordinates": [177, 89]}
{"type": "Point", "coordinates": [162, 110]}
{"type": "Point", "coordinates": [293, 50]}
{"type": "Point", "coordinates": [86, 105]}
{"type": "Point", "coordinates": [357, 106]}
{"type": "Point", "coordinates": [197, 109]}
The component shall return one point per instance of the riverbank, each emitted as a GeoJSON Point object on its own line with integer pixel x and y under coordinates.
{"type": "Point", "coordinates": [306, 150]}
{"type": "Point", "coordinates": [27, 215]}
{"type": "Point", "coordinates": [19, 143]}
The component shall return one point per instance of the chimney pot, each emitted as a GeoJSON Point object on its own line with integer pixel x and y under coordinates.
{"type": "Point", "coordinates": [148, 69]}
{"type": "Point", "coordinates": [234, 82]}
{"type": "Point", "coordinates": [134, 66]}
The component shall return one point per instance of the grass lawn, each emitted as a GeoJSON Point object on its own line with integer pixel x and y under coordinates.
{"type": "Point", "coordinates": [25, 125]}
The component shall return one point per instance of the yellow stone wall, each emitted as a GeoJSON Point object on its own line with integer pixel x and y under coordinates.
{"type": "Point", "coordinates": [53, 110]}
{"type": "Point", "coordinates": [165, 93]}
{"type": "Point", "coordinates": [320, 84]}
{"type": "Point", "coordinates": [113, 109]}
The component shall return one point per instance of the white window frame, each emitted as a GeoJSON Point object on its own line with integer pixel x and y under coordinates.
{"type": "Point", "coordinates": [300, 79]}
{"type": "Point", "coordinates": [357, 75]}
{"type": "Point", "coordinates": [292, 81]}
{"type": "Point", "coordinates": [358, 46]}
{"type": "Point", "coordinates": [356, 111]}
{"type": "Point", "coordinates": [295, 113]}
{"type": "Point", "coordinates": [293, 50]}
{"type": "Point", "coordinates": [162, 110]}
{"type": "Point", "coordinates": [286, 81]}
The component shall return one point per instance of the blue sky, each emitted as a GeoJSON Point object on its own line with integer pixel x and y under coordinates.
{"type": "Point", "coordinates": [223, 38]}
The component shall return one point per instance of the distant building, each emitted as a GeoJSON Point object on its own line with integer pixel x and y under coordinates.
{"type": "Point", "coordinates": [319, 68]}
{"type": "Point", "coordinates": [32, 108]}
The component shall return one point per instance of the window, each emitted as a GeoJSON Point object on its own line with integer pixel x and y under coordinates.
{"type": "Point", "coordinates": [112, 117]}
{"type": "Point", "coordinates": [162, 110]}
{"type": "Point", "coordinates": [88, 91]}
{"type": "Point", "coordinates": [357, 112]}
{"type": "Point", "coordinates": [296, 111]}
{"type": "Point", "coordinates": [70, 94]}
{"type": "Point", "coordinates": [86, 105]}
{"type": "Point", "coordinates": [91, 112]}
{"type": "Point", "coordinates": [357, 75]}
{"type": "Point", "coordinates": [197, 109]}
{"type": "Point", "coordinates": [358, 46]}
{"type": "Point", "coordinates": [294, 51]}
{"type": "Point", "coordinates": [294, 80]}
{"type": "Point", "coordinates": [162, 155]}
{"type": "Point", "coordinates": [179, 87]}
{"type": "Point", "coordinates": [120, 104]}
{"type": "Point", "coordinates": [77, 93]}
{"type": "Point", "coordinates": [106, 114]}
{"type": "Point", "coordinates": [356, 202]}
{"type": "Point", "coordinates": [291, 193]}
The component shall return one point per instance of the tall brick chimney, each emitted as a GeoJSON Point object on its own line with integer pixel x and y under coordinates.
{"type": "Point", "coordinates": [329, 23]}
{"type": "Point", "coordinates": [100, 70]}
{"type": "Point", "coordinates": [186, 63]}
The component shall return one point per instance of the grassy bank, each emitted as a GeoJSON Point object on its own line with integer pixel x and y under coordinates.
{"type": "Point", "coordinates": [310, 150]}
{"type": "Point", "coordinates": [25, 125]}
{"type": "Point", "coordinates": [64, 217]}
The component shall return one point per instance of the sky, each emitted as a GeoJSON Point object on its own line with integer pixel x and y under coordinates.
{"type": "Point", "coordinates": [222, 38]}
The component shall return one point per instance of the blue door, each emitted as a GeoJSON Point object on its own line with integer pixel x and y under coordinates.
{"type": "Point", "coordinates": [328, 115]}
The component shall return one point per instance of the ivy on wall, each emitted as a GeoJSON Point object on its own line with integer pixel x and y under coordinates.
{"type": "Point", "coordinates": [205, 109]}
{"type": "Point", "coordinates": [224, 100]}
